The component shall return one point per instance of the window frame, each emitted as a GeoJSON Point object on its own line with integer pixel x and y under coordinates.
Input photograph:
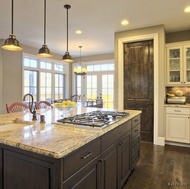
{"type": "Point", "coordinates": [85, 64]}
{"type": "Point", "coordinates": [65, 72]}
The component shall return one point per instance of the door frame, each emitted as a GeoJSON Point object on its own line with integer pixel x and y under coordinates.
{"type": "Point", "coordinates": [120, 99]}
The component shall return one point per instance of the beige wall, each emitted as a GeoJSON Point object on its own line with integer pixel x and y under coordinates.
{"type": "Point", "coordinates": [1, 76]}
{"type": "Point", "coordinates": [178, 36]}
{"type": "Point", "coordinates": [160, 83]}
{"type": "Point", "coordinates": [95, 57]}
{"type": "Point", "coordinates": [12, 77]}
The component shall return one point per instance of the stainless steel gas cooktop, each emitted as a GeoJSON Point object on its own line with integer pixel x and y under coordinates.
{"type": "Point", "coordinates": [96, 119]}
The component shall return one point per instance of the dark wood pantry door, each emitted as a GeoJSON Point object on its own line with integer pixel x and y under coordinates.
{"type": "Point", "coordinates": [139, 83]}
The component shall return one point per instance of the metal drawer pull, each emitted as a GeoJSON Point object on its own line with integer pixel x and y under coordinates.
{"type": "Point", "coordinates": [135, 120]}
{"type": "Point", "coordinates": [177, 110]}
{"type": "Point", "coordinates": [84, 157]}
{"type": "Point", "coordinates": [136, 130]}
{"type": "Point", "coordinates": [121, 143]}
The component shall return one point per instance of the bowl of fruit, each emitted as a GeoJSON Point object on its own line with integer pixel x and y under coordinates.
{"type": "Point", "coordinates": [65, 106]}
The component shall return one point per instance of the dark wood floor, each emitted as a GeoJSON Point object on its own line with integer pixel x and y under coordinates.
{"type": "Point", "coordinates": [161, 167]}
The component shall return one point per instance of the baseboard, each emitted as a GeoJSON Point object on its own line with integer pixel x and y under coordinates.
{"type": "Point", "coordinates": [160, 141]}
{"type": "Point", "coordinates": [177, 144]}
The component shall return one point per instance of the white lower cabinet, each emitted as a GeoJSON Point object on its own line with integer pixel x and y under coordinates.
{"type": "Point", "coordinates": [177, 124]}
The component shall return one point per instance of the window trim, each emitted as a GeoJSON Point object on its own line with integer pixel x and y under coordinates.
{"type": "Point", "coordinates": [52, 71]}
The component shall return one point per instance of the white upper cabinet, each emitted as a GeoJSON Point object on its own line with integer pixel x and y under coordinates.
{"type": "Point", "coordinates": [178, 63]}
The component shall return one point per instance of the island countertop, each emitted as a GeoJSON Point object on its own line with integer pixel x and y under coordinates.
{"type": "Point", "coordinates": [50, 138]}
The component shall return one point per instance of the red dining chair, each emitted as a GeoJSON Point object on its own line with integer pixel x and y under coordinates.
{"type": "Point", "coordinates": [16, 107]}
{"type": "Point", "coordinates": [43, 104]}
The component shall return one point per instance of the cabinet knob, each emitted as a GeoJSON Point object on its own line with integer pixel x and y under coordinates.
{"type": "Point", "coordinates": [101, 160]}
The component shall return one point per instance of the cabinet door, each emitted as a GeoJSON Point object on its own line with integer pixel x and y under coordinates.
{"type": "Point", "coordinates": [21, 172]}
{"type": "Point", "coordinates": [124, 159]}
{"type": "Point", "coordinates": [174, 65]}
{"type": "Point", "coordinates": [86, 178]}
{"type": "Point", "coordinates": [177, 128]}
{"type": "Point", "coordinates": [109, 168]}
{"type": "Point", "coordinates": [1, 169]}
{"type": "Point", "coordinates": [187, 64]}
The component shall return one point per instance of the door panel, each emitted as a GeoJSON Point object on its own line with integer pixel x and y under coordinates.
{"type": "Point", "coordinates": [138, 83]}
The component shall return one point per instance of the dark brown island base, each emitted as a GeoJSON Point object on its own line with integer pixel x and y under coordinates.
{"type": "Point", "coordinates": [31, 157]}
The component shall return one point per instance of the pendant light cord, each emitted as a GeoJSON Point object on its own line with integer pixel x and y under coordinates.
{"type": "Point", "coordinates": [12, 18]}
{"type": "Point", "coordinates": [80, 54]}
{"type": "Point", "coordinates": [67, 29]}
{"type": "Point", "coordinates": [44, 22]}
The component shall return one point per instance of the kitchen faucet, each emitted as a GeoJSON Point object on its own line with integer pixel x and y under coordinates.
{"type": "Point", "coordinates": [33, 111]}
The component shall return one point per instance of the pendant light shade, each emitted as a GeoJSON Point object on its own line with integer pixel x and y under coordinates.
{"type": "Point", "coordinates": [12, 44]}
{"type": "Point", "coordinates": [67, 57]}
{"type": "Point", "coordinates": [44, 51]}
{"type": "Point", "coordinates": [83, 70]}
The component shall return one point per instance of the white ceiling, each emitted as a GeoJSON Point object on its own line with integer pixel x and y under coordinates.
{"type": "Point", "coordinates": [98, 20]}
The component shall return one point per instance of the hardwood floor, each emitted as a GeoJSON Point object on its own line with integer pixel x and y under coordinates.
{"type": "Point", "coordinates": [161, 167]}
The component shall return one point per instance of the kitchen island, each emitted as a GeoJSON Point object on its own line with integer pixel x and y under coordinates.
{"type": "Point", "coordinates": [57, 156]}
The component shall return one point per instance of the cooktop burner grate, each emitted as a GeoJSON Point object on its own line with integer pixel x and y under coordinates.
{"type": "Point", "coordinates": [94, 118]}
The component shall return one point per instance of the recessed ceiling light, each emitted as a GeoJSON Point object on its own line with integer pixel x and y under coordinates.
{"type": "Point", "coordinates": [78, 32]}
{"type": "Point", "coordinates": [187, 9]}
{"type": "Point", "coordinates": [124, 22]}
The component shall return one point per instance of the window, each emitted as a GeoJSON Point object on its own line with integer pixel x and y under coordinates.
{"type": "Point", "coordinates": [59, 86]}
{"type": "Point", "coordinates": [45, 86]}
{"type": "Point", "coordinates": [108, 90]}
{"type": "Point", "coordinates": [99, 81]}
{"type": "Point", "coordinates": [45, 80]}
{"type": "Point", "coordinates": [30, 82]}
{"type": "Point", "coordinates": [29, 62]}
{"type": "Point", "coordinates": [91, 87]}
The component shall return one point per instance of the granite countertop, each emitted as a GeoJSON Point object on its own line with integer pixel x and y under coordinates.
{"type": "Point", "coordinates": [50, 139]}
{"type": "Point", "coordinates": [187, 105]}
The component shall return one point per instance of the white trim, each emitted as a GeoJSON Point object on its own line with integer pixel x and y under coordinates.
{"type": "Point", "coordinates": [120, 74]}
{"type": "Point", "coordinates": [161, 141]}
{"type": "Point", "coordinates": [177, 144]}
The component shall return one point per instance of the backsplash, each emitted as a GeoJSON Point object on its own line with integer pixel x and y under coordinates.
{"type": "Point", "coordinates": [185, 90]}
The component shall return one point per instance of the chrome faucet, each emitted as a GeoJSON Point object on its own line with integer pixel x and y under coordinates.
{"type": "Point", "coordinates": [33, 111]}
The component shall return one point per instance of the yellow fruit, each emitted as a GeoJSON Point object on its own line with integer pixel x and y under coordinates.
{"type": "Point", "coordinates": [64, 102]}
{"type": "Point", "coordinates": [170, 94]}
{"type": "Point", "coordinates": [69, 103]}
{"type": "Point", "coordinates": [58, 105]}
{"type": "Point", "coordinates": [74, 103]}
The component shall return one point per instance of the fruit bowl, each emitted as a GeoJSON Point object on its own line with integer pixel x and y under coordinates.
{"type": "Point", "coordinates": [65, 107]}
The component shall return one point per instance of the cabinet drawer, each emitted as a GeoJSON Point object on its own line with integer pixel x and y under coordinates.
{"type": "Point", "coordinates": [113, 135]}
{"type": "Point", "coordinates": [136, 130]}
{"type": "Point", "coordinates": [177, 110]}
{"type": "Point", "coordinates": [135, 142]}
{"type": "Point", "coordinates": [135, 157]}
{"type": "Point", "coordinates": [80, 157]}
{"type": "Point", "coordinates": [136, 120]}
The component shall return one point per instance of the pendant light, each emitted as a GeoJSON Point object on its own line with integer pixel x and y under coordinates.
{"type": "Point", "coordinates": [44, 51]}
{"type": "Point", "coordinates": [12, 44]}
{"type": "Point", "coordinates": [83, 70]}
{"type": "Point", "coordinates": [67, 57]}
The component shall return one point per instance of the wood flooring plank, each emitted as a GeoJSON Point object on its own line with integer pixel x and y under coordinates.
{"type": "Point", "coordinates": [161, 167]}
